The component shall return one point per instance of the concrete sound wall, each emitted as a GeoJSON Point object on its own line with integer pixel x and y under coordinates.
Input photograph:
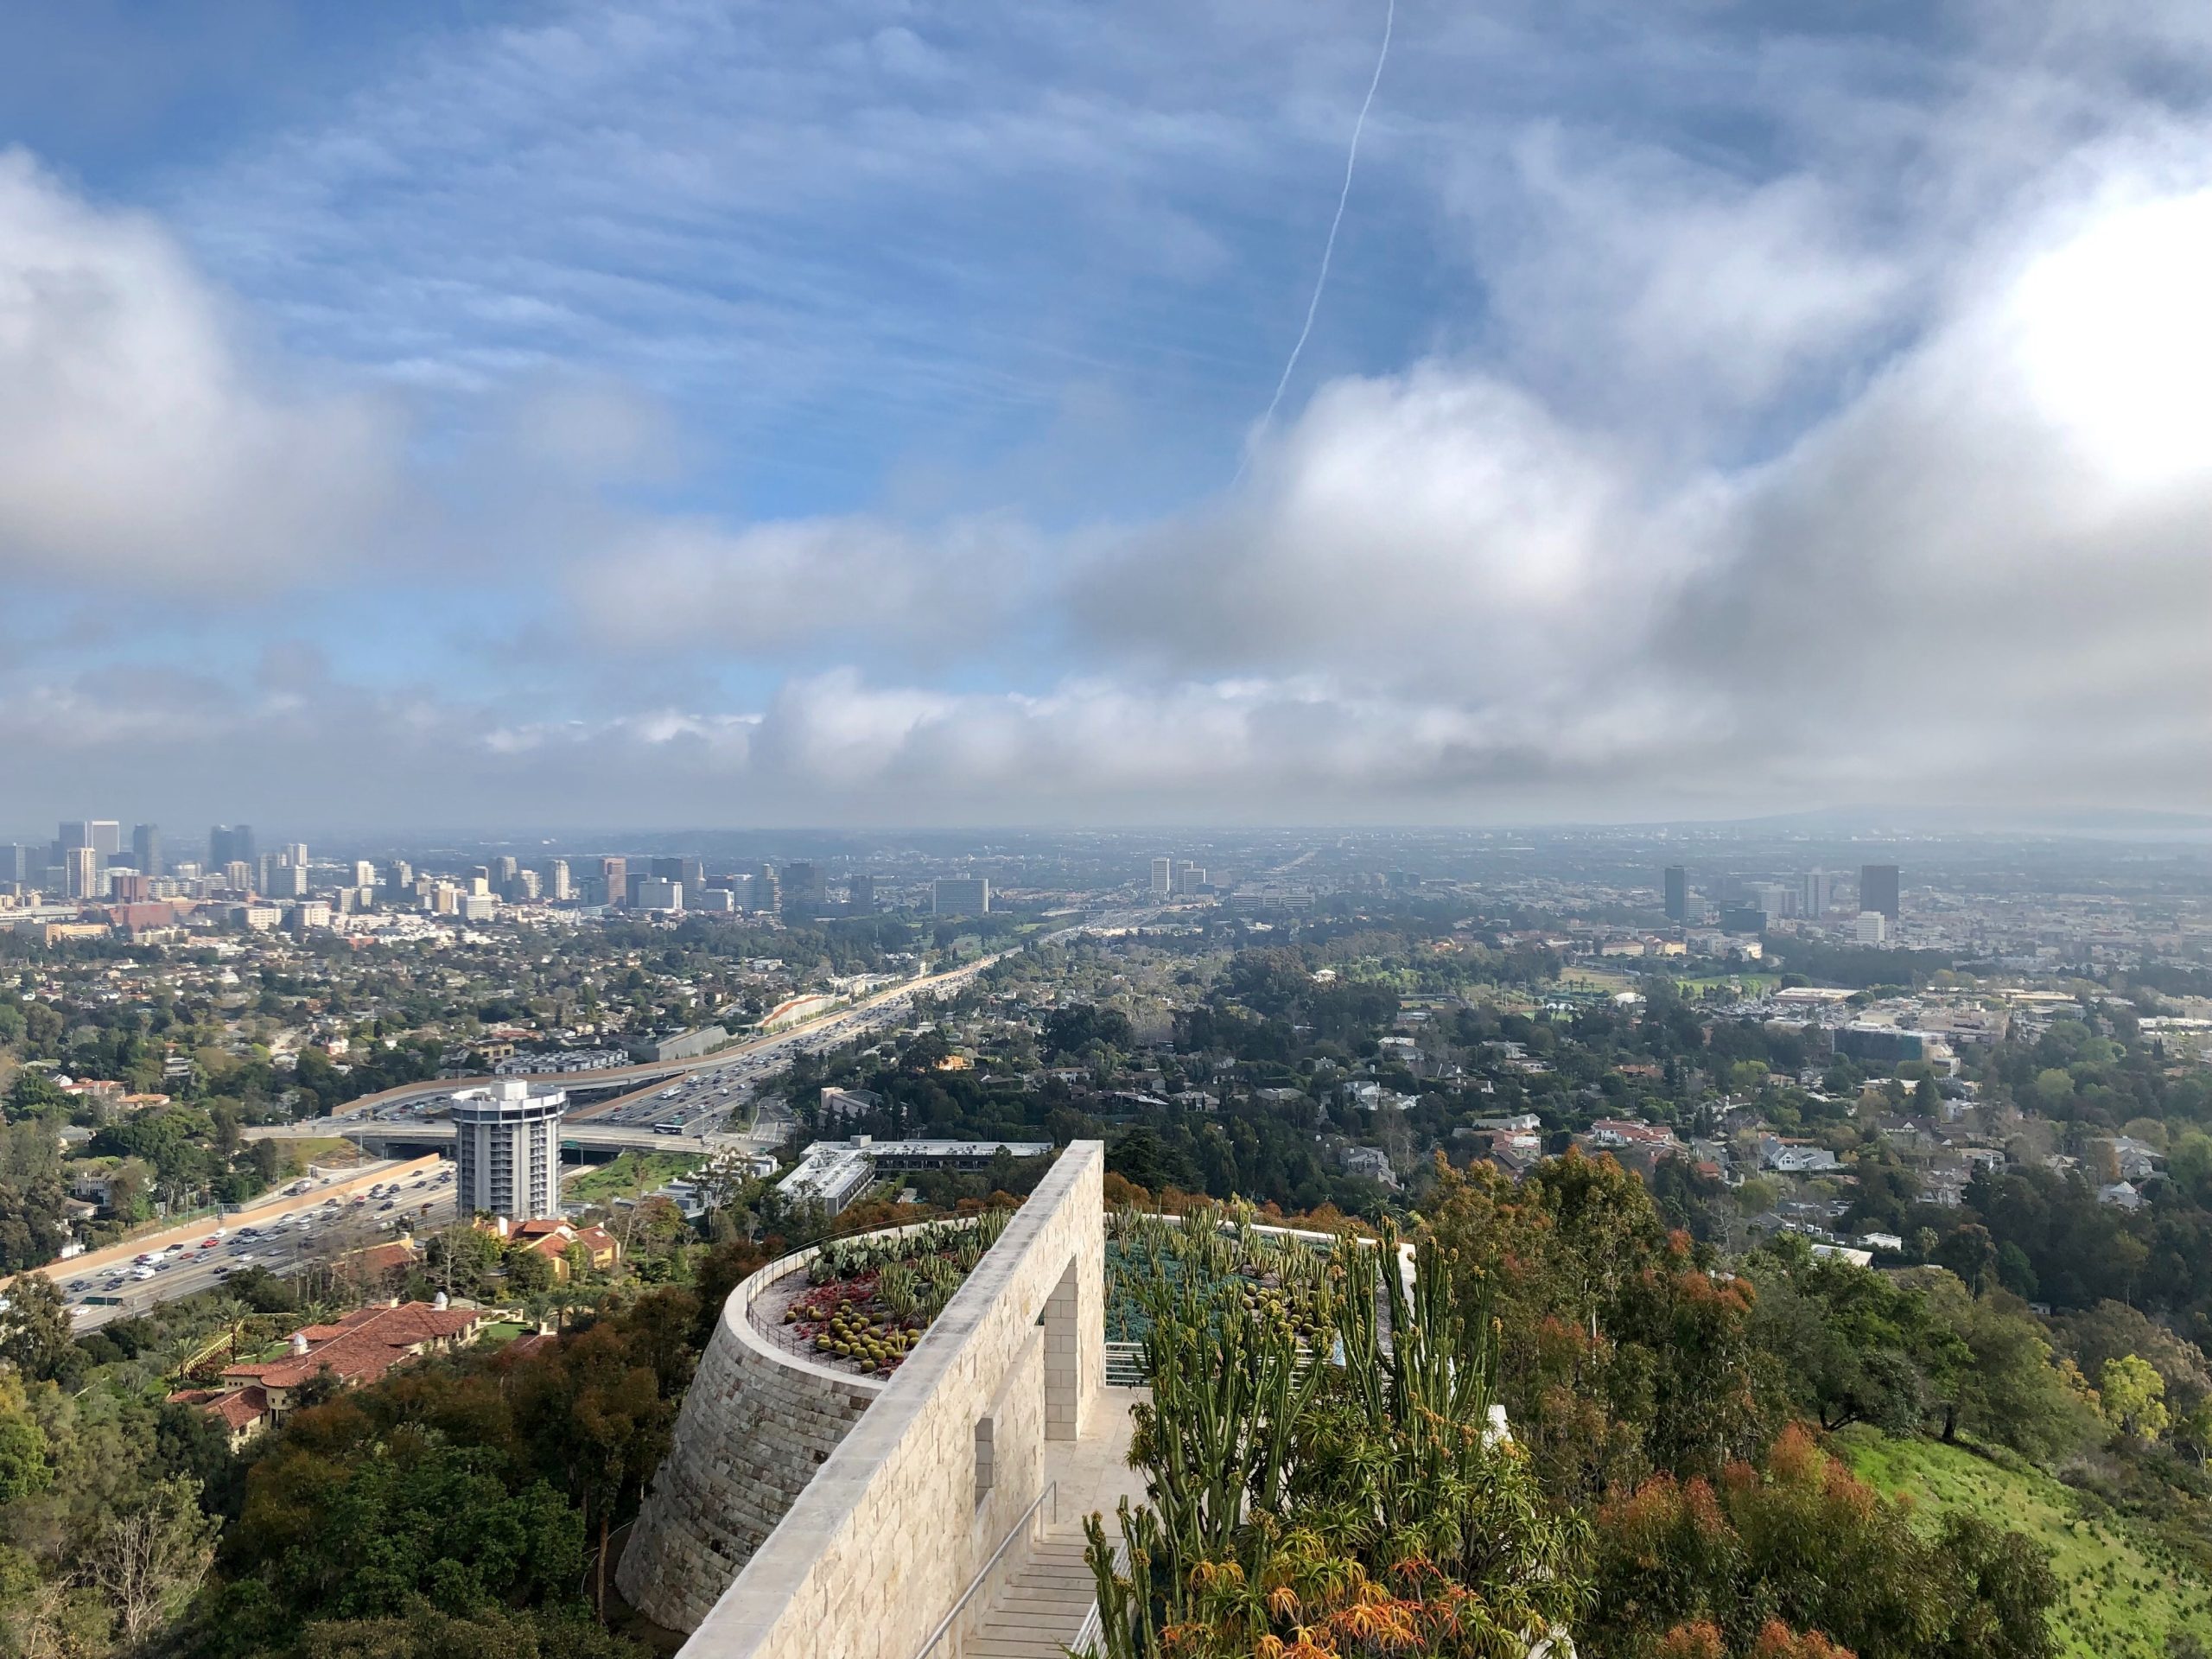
{"type": "Point", "coordinates": [918, 1493]}
{"type": "Point", "coordinates": [756, 1423]}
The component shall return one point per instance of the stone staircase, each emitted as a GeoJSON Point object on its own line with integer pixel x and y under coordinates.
{"type": "Point", "coordinates": [1043, 1605]}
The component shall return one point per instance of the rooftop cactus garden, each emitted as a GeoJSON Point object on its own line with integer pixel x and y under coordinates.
{"type": "Point", "coordinates": [869, 1299]}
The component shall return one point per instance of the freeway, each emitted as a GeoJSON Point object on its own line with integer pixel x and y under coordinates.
{"type": "Point", "coordinates": [312, 1216]}
{"type": "Point", "coordinates": [705, 1089]}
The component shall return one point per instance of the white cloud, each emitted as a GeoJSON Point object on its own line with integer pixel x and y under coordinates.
{"type": "Point", "coordinates": [138, 441]}
{"type": "Point", "coordinates": [774, 587]}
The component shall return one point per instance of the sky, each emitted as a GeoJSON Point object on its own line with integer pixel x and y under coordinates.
{"type": "Point", "coordinates": [693, 413]}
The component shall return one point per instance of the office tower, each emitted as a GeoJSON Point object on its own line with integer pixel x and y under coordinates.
{"type": "Point", "coordinates": [15, 864]}
{"type": "Point", "coordinates": [1873, 927]}
{"type": "Point", "coordinates": [480, 883]}
{"type": "Point", "coordinates": [1677, 880]}
{"type": "Point", "coordinates": [73, 834]}
{"type": "Point", "coordinates": [860, 895]}
{"type": "Point", "coordinates": [557, 880]}
{"type": "Point", "coordinates": [106, 839]}
{"type": "Point", "coordinates": [524, 888]}
{"type": "Point", "coordinates": [128, 886]}
{"type": "Point", "coordinates": [230, 844]}
{"type": "Point", "coordinates": [1163, 877]}
{"type": "Point", "coordinates": [691, 872]}
{"type": "Point", "coordinates": [1775, 897]}
{"type": "Point", "coordinates": [803, 884]}
{"type": "Point", "coordinates": [741, 891]}
{"type": "Point", "coordinates": [84, 873]}
{"type": "Point", "coordinates": [767, 892]}
{"type": "Point", "coordinates": [615, 882]}
{"type": "Point", "coordinates": [503, 870]}
{"type": "Point", "coordinates": [364, 874]}
{"type": "Point", "coordinates": [1878, 889]}
{"type": "Point", "coordinates": [399, 874]}
{"type": "Point", "coordinates": [237, 875]}
{"type": "Point", "coordinates": [653, 893]}
{"type": "Point", "coordinates": [146, 849]}
{"type": "Point", "coordinates": [507, 1151]}
{"type": "Point", "coordinates": [960, 895]}
{"type": "Point", "coordinates": [666, 869]}
{"type": "Point", "coordinates": [1819, 892]}
{"type": "Point", "coordinates": [1189, 878]}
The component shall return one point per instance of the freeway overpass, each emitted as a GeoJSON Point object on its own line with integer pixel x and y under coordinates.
{"type": "Point", "coordinates": [594, 1142]}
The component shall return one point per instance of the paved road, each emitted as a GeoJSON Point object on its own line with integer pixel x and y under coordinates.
{"type": "Point", "coordinates": [280, 1238]}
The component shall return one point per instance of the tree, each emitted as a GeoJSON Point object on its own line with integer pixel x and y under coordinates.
{"type": "Point", "coordinates": [35, 1334]}
{"type": "Point", "coordinates": [2134, 1396]}
{"type": "Point", "coordinates": [148, 1560]}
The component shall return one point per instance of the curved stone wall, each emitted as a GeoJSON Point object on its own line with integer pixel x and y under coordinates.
{"type": "Point", "coordinates": [756, 1423]}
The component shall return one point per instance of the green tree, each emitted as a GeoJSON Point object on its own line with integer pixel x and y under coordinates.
{"type": "Point", "coordinates": [2134, 1396]}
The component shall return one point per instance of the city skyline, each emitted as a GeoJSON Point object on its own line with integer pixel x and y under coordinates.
{"type": "Point", "coordinates": [858, 420]}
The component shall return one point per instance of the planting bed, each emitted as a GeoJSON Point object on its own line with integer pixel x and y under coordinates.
{"type": "Point", "coordinates": [864, 1303]}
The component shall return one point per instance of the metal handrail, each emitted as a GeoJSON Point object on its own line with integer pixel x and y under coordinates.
{"type": "Point", "coordinates": [1052, 1492]}
{"type": "Point", "coordinates": [1090, 1635]}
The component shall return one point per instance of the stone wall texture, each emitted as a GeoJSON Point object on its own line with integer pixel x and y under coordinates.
{"type": "Point", "coordinates": [755, 1425]}
{"type": "Point", "coordinates": [892, 1528]}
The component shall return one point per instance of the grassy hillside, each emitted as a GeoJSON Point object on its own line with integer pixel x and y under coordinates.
{"type": "Point", "coordinates": [617, 1179]}
{"type": "Point", "coordinates": [2124, 1593]}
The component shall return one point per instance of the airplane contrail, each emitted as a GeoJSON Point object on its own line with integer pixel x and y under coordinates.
{"type": "Point", "coordinates": [1329, 247]}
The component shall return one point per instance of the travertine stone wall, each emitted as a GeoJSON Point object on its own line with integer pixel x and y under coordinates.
{"type": "Point", "coordinates": [756, 1425]}
{"type": "Point", "coordinates": [890, 1532]}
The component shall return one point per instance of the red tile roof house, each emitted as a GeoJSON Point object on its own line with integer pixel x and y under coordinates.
{"type": "Point", "coordinates": [359, 1348]}
{"type": "Point", "coordinates": [551, 1239]}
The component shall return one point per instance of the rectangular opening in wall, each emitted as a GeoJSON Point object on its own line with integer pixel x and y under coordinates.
{"type": "Point", "coordinates": [986, 1471]}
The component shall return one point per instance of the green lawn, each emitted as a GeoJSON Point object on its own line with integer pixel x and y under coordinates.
{"type": "Point", "coordinates": [2123, 1592]}
{"type": "Point", "coordinates": [601, 1183]}
{"type": "Point", "coordinates": [499, 1335]}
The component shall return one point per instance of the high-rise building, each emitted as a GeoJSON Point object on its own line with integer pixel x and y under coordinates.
{"type": "Point", "coordinates": [1189, 878]}
{"type": "Point", "coordinates": [1873, 927]}
{"type": "Point", "coordinates": [1677, 882]}
{"type": "Point", "coordinates": [146, 849]}
{"type": "Point", "coordinates": [503, 870]}
{"type": "Point", "coordinates": [653, 893]}
{"type": "Point", "coordinates": [1163, 877]}
{"type": "Point", "coordinates": [230, 844]}
{"type": "Point", "coordinates": [804, 889]}
{"type": "Point", "coordinates": [15, 862]}
{"type": "Point", "coordinates": [960, 895]}
{"type": "Point", "coordinates": [767, 892]}
{"type": "Point", "coordinates": [860, 895]}
{"type": "Point", "coordinates": [557, 880]}
{"type": "Point", "coordinates": [364, 874]}
{"type": "Point", "coordinates": [1878, 889]}
{"type": "Point", "coordinates": [691, 872]}
{"type": "Point", "coordinates": [84, 872]}
{"type": "Point", "coordinates": [615, 882]}
{"type": "Point", "coordinates": [524, 888]}
{"type": "Point", "coordinates": [507, 1151]}
{"type": "Point", "coordinates": [108, 838]}
{"type": "Point", "coordinates": [237, 875]}
{"type": "Point", "coordinates": [399, 874]}
{"type": "Point", "coordinates": [1818, 895]}
{"type": "Point", "coordinates": [666, 869]}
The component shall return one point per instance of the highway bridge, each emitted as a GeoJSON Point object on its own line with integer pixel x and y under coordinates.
{"type": "Point", "coordinates": [585, 1143]}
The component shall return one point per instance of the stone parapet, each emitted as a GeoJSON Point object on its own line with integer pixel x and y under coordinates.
{"type": "Point", "coordinates": [756, 1423]}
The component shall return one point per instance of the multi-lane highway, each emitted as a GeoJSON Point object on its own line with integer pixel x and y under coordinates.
{"type": "Point", "coordinates": [685, 1111]}
{"type": "Point", "coordinates": [310, 1216]}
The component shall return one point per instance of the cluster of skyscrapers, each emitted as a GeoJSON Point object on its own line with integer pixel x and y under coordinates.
{"type": "Point", "coordinates": [1177, 879]}
{"type": "Point", "coordinates": [1746, 903]}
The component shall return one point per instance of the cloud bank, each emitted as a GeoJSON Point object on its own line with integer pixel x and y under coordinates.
{"type": "Point", "coordinates": [1867, 460]}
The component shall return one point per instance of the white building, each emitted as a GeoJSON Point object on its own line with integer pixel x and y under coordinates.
{"type": "Point", "coordinates": [507, 1151]}
{"type": "Point", "coordinates": [960, 895]}
{"type": "Point", "coordinates": [654, 893]}
{"type": "Point", "coordinates": [1871, 928]}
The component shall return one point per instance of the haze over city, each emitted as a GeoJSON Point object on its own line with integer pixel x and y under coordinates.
{"type": "Point", "coordinates": [660, 414]}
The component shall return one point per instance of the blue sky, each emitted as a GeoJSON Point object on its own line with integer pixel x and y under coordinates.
{"type": "Point", "coordinates": [731, 413]}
